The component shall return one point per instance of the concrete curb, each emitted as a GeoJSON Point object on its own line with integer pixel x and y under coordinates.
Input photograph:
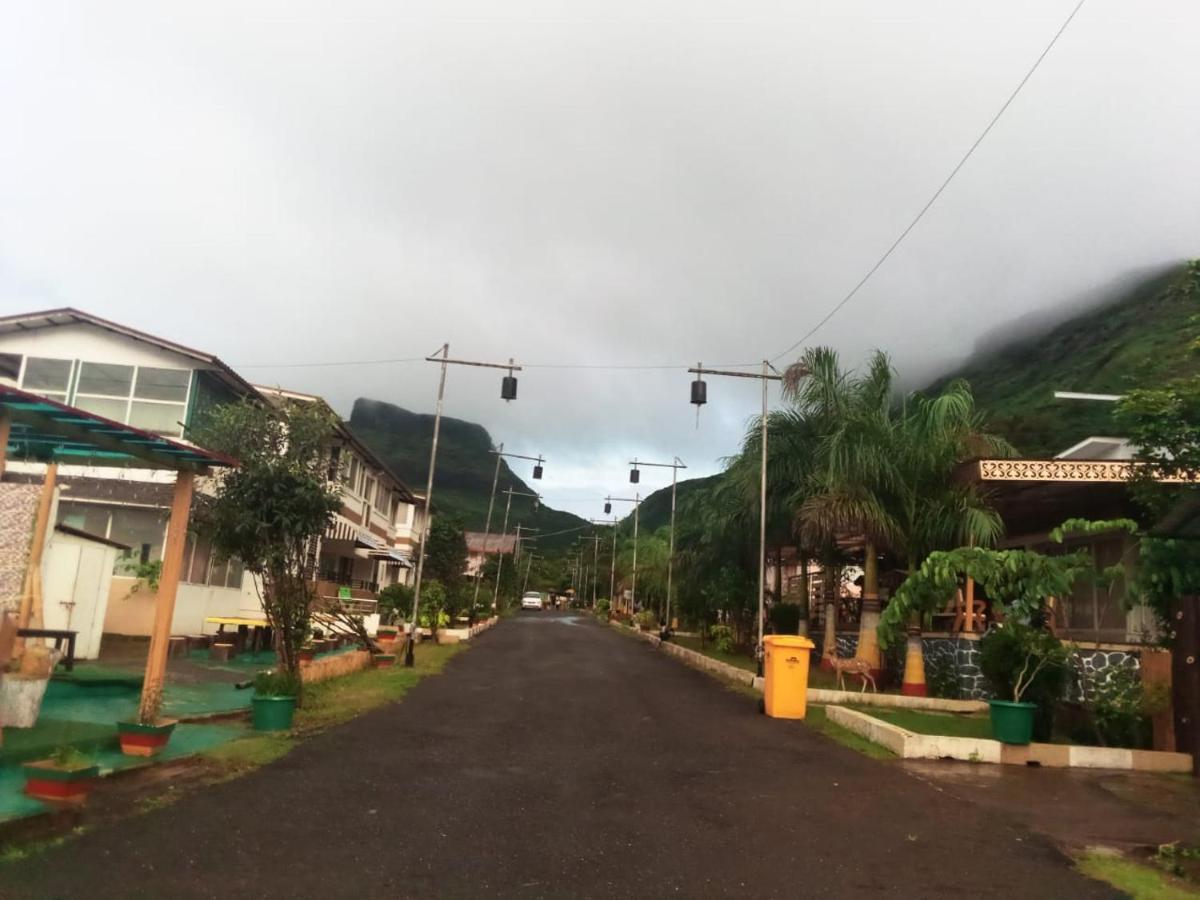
{"type": "Point", "coordinates": [815, 695]}
{"type": "Point", "coordinates": [724, 671]}
{"type": "Point", "coordinates": [910, 745]}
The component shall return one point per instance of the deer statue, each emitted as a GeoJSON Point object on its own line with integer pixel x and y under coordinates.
{"type": "Point", "coordinates": [856, 666]}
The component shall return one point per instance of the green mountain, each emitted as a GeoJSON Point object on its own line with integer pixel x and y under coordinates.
{"type": "Point", "coordinates": [465, 466]}
{"type": "Point", "coordinates": [1146, 334]}
{"type": "Point", "coordinates": [655, 512]}
{"type": "Point", "coordinates": [1142, 339]}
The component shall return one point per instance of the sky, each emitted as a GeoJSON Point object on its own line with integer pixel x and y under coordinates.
{"type": "Point", "coordinates": [656, 184]}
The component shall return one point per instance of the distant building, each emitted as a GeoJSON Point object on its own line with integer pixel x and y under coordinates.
{"type": "Point", "coordinates": [496, 544]}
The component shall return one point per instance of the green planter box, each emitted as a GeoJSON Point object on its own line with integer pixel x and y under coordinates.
{"type": "Point", "coordinates": [273, 713]}
{"type": "Point", "coordinates": [1012, 723]}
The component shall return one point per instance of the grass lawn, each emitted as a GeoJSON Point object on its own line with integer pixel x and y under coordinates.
{"type": "Point", "coordinates": [332, 702]}
{"type": "Point", "coordinates": [817, 721]}
{"type": "Point", "coordinates": [741, 660]}
{"type": "Point", "coordinates": [925, 722]}
{"type": "Point", "coordinates": [1139, 881]}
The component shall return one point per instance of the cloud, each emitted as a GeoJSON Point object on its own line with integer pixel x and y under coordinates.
{"type": "Point", "coordinates": [600, 183]}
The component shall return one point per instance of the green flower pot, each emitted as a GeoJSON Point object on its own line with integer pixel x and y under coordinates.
{"type": "Point", "coordinates": [1012, 723]}
{"type": "Point", "coordinates": [273, 713]}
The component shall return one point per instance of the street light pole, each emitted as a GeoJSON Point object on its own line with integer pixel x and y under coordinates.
{"type": "Point", "coordinates": [636, 500]}
{"type": "Point", "coordinates": [612, 567]}
{"type": "Point", "coordinates": [762, 492]}
{"type": "Point", "coordinates": [487, 528]}
{"type": "Point", "coordinates": [508, 391]}
{"type": "Point", "coordinates": [595, 539]}
{"type": "Point", "coordinates": [503, 532]}
{"type": "Point", "coordinates": [674, 466]}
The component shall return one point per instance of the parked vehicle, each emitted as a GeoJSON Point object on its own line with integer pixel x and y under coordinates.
{"type": "Point", "coordinates": [532, 600]}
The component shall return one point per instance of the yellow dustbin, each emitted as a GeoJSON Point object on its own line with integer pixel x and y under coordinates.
{"type": "Point", "coordinates": [785, 671]}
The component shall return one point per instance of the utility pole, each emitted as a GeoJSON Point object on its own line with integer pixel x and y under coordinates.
{"type": "Point", "coordinates": [508, 391]}
{"type": "Point", "coordinates": [487, 528]}
{"type": "Point", "coordinates": [612, 568]}
{"type": "Point", "coordinates": [674, 466]}
{"type": "Point", "coordinates": [504, 531]}
{"type": "Point", "coordinates": [528, 566]}
{"type": "Point", "coordinates": [595, 539]}
{"type": "Point", "coordinates": [699, 397]}
{"type": "Point", "coordinates": [636, 500]}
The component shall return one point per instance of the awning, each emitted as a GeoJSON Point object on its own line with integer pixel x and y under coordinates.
{"type": "Point", "coordinates": [42, 430]}
{"type": "Point", "coordinates": [369, 541]}
{"type": "Point", "coordinates": [392, 556]}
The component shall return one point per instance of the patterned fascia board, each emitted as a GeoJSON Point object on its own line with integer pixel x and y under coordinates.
{"type": "Point", "coordinates": [1068, 470]}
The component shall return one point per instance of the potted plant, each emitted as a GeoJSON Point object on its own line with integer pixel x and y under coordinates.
{"type": "Point", "coordinates": [66, 777]}
{"type": "Point", "coordinates": [386, 635]}
{"type": "Point", "coordinates": [1029, 665]}
{"type": "Point", "coordinates": [274, 702]}
{"type": "Point", "coordinates": [307, 653]}
{"type": "Point", "coordinates": [383, 660]}
{"type": "Point", "coordinates": [149, 732]}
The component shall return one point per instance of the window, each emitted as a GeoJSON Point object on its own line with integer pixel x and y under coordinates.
{"type": "Point", "coordinates": [48, 377]}
{"type": "Point", "coordinates": [335, 463]}
{"type": "Point", "coordinates": [352, 473]}
{"type": "Point", "coordinates": [142, 530]}
{"type": "Point", "coordinates": [201, 565]}
{"type": "Point", "coordinates": [10, 368]}
{"type": "Point", "coordinates": [89, 517]}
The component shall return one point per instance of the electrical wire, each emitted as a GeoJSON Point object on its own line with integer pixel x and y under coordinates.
{"type": "Point", "coordinates": [936, 194]}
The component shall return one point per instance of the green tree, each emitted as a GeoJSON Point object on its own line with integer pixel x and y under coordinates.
{"type": "Point", "coordinates": [271, 510]}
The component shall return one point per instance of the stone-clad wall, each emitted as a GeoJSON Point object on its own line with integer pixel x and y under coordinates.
{"type": "Point", "coordinates": [952, 665]}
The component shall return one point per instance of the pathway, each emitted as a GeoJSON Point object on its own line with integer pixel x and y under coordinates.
{"type": "Point", "coordinates": [558, 758]}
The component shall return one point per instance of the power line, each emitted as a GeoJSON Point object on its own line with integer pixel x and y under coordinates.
{"type": "Point", "coordinates": [415, 359]}
{"type": "Point", "coordinates": [945, 184]}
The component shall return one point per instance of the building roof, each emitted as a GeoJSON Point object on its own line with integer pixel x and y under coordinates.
{"type": "Point", "coordinates": [49, 318]}
{"type": "Point", "coordinates": [496, 543]}
{"type": "Point", "coordinates": [44, 430]}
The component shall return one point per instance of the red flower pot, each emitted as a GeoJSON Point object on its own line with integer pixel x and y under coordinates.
{"type": "Point", "coordinates": [47, 780]}
{"type": "Point", "coordinates": [144, 740]}
{"type": "Point", "coordinates": [384, 660]}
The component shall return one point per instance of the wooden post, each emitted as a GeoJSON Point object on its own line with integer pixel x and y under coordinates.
{"type": "Point", "coordinates": [168, 584]}
{"type": "Point", "coordinates": [969, 612]}
{"type": "Point", "coordinates": [1185, 678]}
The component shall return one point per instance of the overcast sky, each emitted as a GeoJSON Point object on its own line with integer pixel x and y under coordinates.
{"type": "Point", "coordinates": [601, 183]}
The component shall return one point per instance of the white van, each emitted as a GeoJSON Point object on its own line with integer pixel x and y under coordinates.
{"type": "Point", "coordinates": [532, 600]}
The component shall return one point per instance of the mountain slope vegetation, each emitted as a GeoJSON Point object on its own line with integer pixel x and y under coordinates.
{"type": "Point", "coordinates": [463, 480]}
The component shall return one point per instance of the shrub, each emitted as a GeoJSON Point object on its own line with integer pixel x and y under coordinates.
{"type": "Point", "coordinates": [602, 609]}
{"type": "Point", "coordinates": [1028, 664]}
{"type": "Point", "coordinates": [276, 683]}
{"type": "Point", "coordinates": [395, 602]}
{"type": "Point", "coordinates": [646, 619]}
{"type": "Point", "coordinates": [722, 638]}
{"type": "Point", "coordinates": [1118, 708]}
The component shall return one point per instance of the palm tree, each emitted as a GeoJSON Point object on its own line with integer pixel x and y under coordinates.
{"type": "Point", "coordinates": [854, 471]}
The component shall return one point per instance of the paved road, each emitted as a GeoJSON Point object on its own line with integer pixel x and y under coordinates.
{"type": "Point", "coordinates": [558, 758]}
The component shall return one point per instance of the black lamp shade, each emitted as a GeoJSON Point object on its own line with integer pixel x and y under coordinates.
{"type": "Point", "coordinates": [508, 388]}
{"type": "Point", "coordinates": [537, 473]}
{"type": "Point", "coordinates": [635, 476]}
{"type": "Point", "coordinates": [699, 392]}
{"type": "Point", "coordinates": [607, 508]}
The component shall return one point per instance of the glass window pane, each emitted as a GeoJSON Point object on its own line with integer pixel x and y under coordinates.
{"type": "Point", "coordinates": [47, 375]}
{"type": "Point", "coordinates": [234, 579]}
{"type": "Point", "coordinates": [85, 516]}
{"type": "Point", "coordinates": [162, 384]}
{"type": "Point", "coordinates": [103, 406]}
{"type": "Point", "coordinates": [161, 418]}
{"type": "Point", "coordinates": [109, 379]}
{"type": "Point", "coordinates": [10, 367]}
{"type": "Point", "coordinates": [141, 529]}
{"type": "Point", "coordinates": [220, 568]}
{"type": "Point", "coordinates": [199, 570]}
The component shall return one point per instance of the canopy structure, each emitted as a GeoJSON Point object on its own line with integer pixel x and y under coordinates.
{"type": "Point", "coordinates": [36, 429]}
{"type": "Point", "coordinates": [43, 430]}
